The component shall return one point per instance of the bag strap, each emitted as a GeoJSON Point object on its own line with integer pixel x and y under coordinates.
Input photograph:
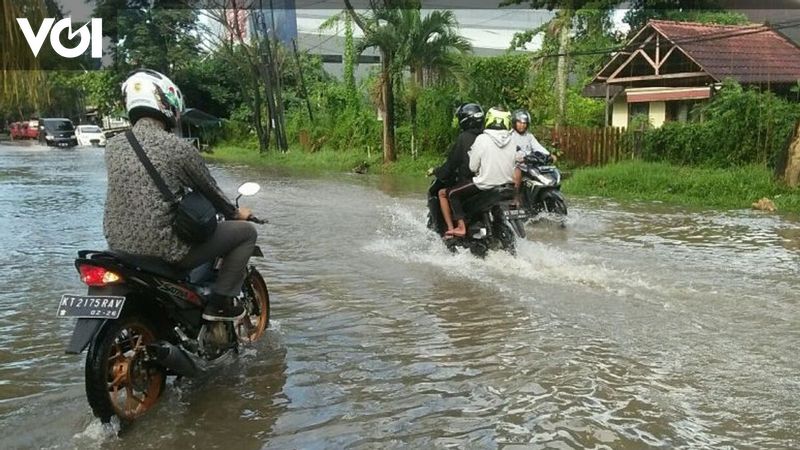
{"type": "Point", "coordinates": [148, 165]}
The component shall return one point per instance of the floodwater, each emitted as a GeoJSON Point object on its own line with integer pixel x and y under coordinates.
{"type": "Point", "coordinates": [639, 325]}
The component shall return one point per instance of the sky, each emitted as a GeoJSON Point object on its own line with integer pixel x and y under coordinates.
{"type": "Point", "coordinates": [484, 28]}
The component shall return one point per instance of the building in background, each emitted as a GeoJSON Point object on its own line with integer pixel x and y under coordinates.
{"type": "Point", "coordinates": [489, 31]}
{"type": "Point", "coordinates": [668, 67]}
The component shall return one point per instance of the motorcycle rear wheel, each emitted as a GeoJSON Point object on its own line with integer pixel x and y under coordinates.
{"type": "Point", "coordinates": [506, 238]}
{"type": "Point", "coordinates": [119, 379]}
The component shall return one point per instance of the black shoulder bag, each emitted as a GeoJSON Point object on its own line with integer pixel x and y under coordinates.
{"type": "Point", "coordinates": [195, 216]}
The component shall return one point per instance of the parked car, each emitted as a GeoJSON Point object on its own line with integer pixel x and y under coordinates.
{"type": "Point", "coordinates": [57, 132]}
{"type": "Point", "coordinates": [90, 135]}
{"type": "Point", "coordinates": [24, 130]}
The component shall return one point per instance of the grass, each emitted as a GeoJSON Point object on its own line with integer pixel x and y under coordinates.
{"type": "Point", "coordinates": [703, 187]}
{"type": "Point", "coordinates": [628, 181]}
{"type": "Point", "coordinates": [325, 160]}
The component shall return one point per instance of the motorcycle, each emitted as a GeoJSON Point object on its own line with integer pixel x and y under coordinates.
{"type": "Point", "coordinates": [541, 187]}
{"type": "Point", "coordinates": [492, 222]}
{"type": "Point", "coordinates": [141, 321]}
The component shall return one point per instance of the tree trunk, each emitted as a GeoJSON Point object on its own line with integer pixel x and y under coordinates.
{"type": "Point", "coordinates": [388, 109]}
{"type": "Point", "coordinates": [266, 79]}
{"type": "Point", "coordinates": [563, 67]}
{"type": "Point", "coordinates": [791, 174]}
{"type": "Point", "coordinates": [412, 107]}
{"type": "Point", "coordinates": [349, 61]}
{"type": "Point", "coordinates": [263, 137]}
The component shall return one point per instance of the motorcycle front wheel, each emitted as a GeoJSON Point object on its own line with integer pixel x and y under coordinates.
{"type": "Point", "coordinates": [256, 305]}
{"type": "Point", "coordinates": [554, 203]}
{"type": "Point", "coordinates": [119, 378]}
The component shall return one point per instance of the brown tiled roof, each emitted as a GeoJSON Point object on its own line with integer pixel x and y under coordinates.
{"type": "Point", "coordinates": [748, 54]}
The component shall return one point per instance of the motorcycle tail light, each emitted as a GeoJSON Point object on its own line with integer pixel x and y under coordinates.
{"type": "Point", "coordinates": [97, 276]}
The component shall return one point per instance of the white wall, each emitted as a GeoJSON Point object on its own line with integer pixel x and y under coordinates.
{"type": "Point", "coordinates": [658, 113]}
{"type": "Point", "coordinates": [619, 116]}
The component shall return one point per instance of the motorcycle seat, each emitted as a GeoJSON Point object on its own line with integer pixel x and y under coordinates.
{"type": "Point", "coordinates": [151, 264]}
{"type": "Point", "coordinates": [504, 191]}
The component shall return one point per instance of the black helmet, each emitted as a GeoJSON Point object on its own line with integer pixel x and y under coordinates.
{"type": "Point", "coordinates": [520, 115]}
{"type": "Point", "coordinates": [469, 115]}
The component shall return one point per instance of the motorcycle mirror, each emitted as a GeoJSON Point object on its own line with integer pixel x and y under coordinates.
{"type": "Point", "coordinates": [249, 188]}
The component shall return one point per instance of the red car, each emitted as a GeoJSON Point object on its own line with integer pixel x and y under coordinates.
{"type": "Point", "coordinates": [16, 131]}
{"type": "Point", "coordinates": [33, 129]}
{"type": "Point", "coordinates": [24, 130]}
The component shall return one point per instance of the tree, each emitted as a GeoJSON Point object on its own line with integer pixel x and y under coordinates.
{"type": "Point", "coordinates": [703, 11]}
{"type": "Point", "coordinates": [431, 44]}
{"type": "Point", "coordinates": [20, 78]}
{"type": "Point", "coordinates": [349, 58]}
{"type": "Point", "coordinates": [569, 16]}
{"type": "Point", "coordinates": [382, 31]}
{"type": "Point", "coordinates": [157, 34]}
{"type": "Point", "coordinates": [246, 54]}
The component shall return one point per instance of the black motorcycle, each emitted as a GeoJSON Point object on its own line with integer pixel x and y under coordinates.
{"type": "Point", "coordinates": [492, 221]}
{"type": "Point", "coordinates": [142, 321]}
{"type": "Point", "coordinates": [541, 187]}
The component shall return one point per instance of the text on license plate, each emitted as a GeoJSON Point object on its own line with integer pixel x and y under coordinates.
{"type": "Point", "coordinates": [90, 306]}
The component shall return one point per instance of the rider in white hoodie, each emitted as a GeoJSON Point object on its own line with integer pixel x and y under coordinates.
{"type": "Point", "coordinates": [493, 158]}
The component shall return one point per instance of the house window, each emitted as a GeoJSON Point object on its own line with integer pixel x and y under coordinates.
{"type": "Point", "coordinates": [638, 109]}
{"type": "Point", "coordinates": [679, 110]}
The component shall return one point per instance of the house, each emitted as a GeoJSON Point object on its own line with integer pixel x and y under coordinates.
{"type": "Point", "coordinates": [668, 67]}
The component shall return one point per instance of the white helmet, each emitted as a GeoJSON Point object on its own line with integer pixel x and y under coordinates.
{"type": "Point", "coordinates": [151, 94]}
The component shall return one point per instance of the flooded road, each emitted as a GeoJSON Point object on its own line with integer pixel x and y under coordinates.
{"type": "Point", "coordinates": [637, 326]}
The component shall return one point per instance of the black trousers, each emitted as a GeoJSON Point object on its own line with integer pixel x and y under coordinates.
{"type": "Point", "coordinates": [234, 241]}
{"type": "Point", "coordinates": [457, 194]}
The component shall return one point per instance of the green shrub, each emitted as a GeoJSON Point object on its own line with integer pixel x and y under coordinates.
{"type": "Point", "coordinates": [499, 80]}
{"type": "Point", "coordinates": [739, 126]}
{"type": "Point", "coordinates": [435, 131]}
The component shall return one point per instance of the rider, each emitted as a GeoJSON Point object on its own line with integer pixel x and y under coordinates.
{"type": "Point", "coordinates": [492, 158]}
{"type": "Point", "coordinates": [525, 143]}
{"type": "Point", "coordinates": [470, 120]}
{"type": "Point", "coordinates": [138, 220]}
{"type": "Point", "coordinates": [469, 117]}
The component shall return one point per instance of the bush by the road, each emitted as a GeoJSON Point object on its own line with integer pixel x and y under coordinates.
{"type": "Point", "coordinates": [738, 127]}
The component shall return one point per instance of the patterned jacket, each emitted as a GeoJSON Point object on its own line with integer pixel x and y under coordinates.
{"type": "Point", "coordinates": [137, 218]}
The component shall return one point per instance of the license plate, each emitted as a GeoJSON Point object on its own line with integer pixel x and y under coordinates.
{"type": "Point", "coordinates": [90, 306]}
{"type": "Point", "coordinates": [516, 214]}
{"type": "Point", "coordinates": [62, 144]}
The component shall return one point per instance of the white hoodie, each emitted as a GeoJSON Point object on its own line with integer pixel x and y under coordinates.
{"type": "Point", "coordinates": [493, 158]}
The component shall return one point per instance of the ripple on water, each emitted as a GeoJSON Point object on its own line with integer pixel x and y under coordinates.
{"type": "Point", "coordinates": [636, 326]}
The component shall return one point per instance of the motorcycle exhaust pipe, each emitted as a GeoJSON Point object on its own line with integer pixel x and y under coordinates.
{"type": "Point", "coordinates": [175, 359]}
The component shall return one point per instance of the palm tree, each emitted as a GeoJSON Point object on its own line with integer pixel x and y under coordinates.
{"type": "Point", "coordinates": [382, 31]}
{"type": "Point", "coordinates": [405, 39]}
{"type": "Point", "coordinates": [432, 44]}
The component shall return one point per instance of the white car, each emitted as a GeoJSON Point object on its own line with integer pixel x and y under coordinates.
{"type": "Point", "coordinates": [90, 135]}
